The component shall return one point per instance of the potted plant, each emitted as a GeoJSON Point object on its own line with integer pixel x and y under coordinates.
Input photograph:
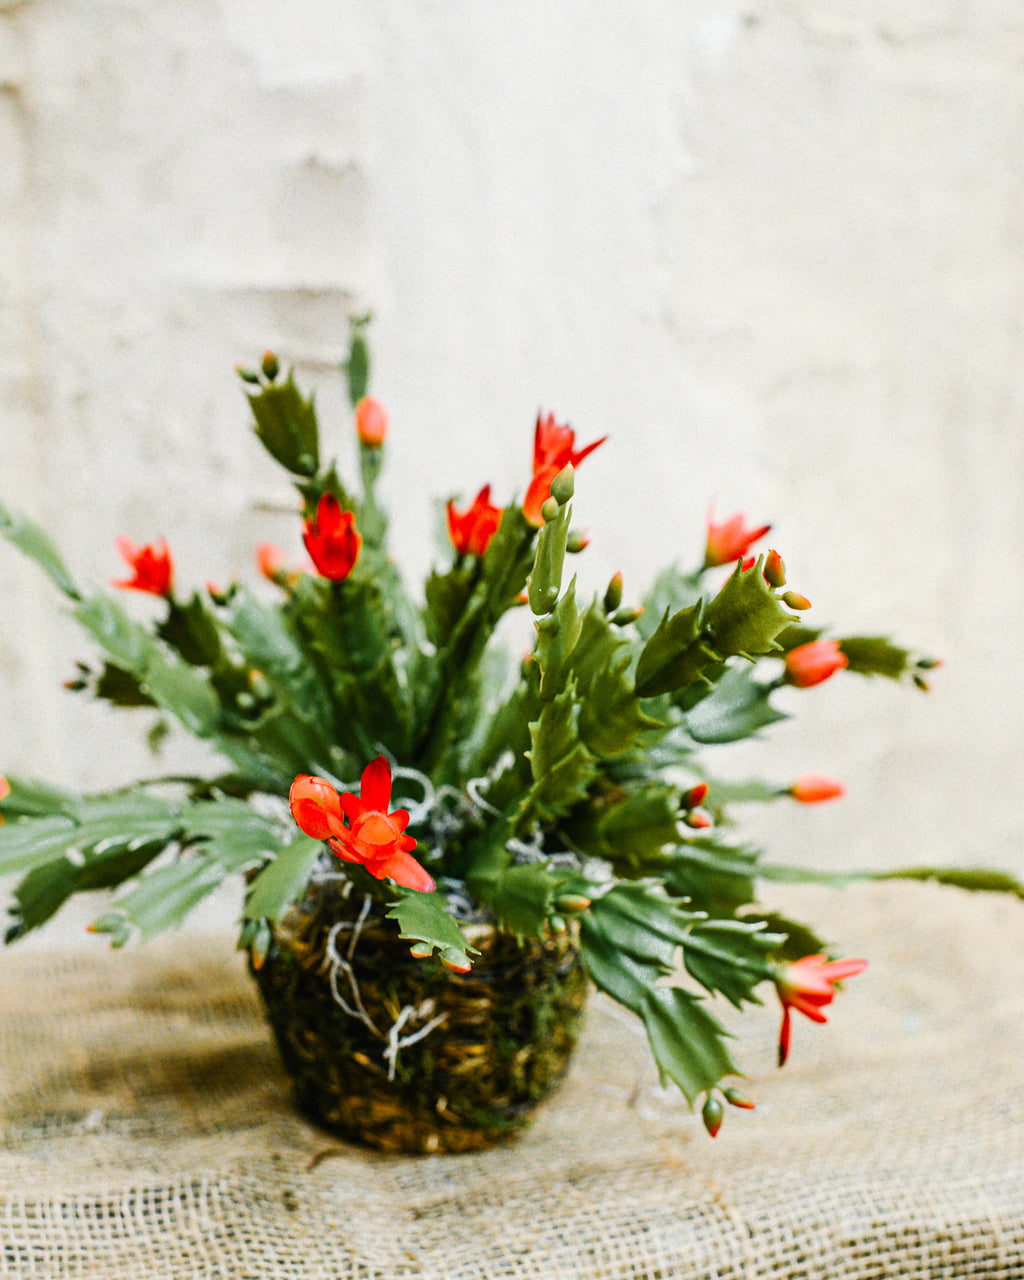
{"type": "Point", "coordinates": [443, 846]}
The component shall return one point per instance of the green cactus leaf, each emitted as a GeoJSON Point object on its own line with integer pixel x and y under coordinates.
{"type": "Point", "coordinates": [34, 542]}
{"type": "Point", "coordinates": [676, 653]}
{"type": "Point", "coordinates": [424, 917]}
{"type": "Point", "coordinates": [286, 425]}
{"type": "Point", "coordinates": [735, 708]}
{"type": "Point", "coordinates": [745, 617]}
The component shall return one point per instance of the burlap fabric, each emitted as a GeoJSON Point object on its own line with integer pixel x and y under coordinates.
{"type": "Point", "coordinates": [148, 1131]}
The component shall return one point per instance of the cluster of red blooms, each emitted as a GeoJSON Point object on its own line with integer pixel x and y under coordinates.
{"type": "Point", "coordinates": [554, 448]}
{"type": "Point", "coordinates": [360, 829]}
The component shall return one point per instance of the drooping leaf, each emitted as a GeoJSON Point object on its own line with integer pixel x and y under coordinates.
{"type": "Point", "coordinates": [424, 917]}
{"type": "Point", "coordinates": [629, 937]}
{"type": "Point", "coordinates": [875, 656]}
{"type": "Point", "coordinates": [736, 708]}
{"type": "Point", "coordinates": [719, 876]}
{"type": "Point", "coordinates": [282, 881]}
{"type": "Point", "coordinates": [45, 889]}
{"type": "Point", "coordinates": [29, 538]}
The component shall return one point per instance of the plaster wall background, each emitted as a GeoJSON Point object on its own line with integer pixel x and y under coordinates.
{"type": "Point", "coordinates": [774, 250]}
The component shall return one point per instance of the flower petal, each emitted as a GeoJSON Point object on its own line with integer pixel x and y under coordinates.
{"type": "Point", "coordinates": [404, 870]}
{"type": "Point", "coordinates": [375, 785]}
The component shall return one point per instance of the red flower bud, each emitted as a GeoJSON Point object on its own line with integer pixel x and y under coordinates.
{"type": "Point", "coordinates": [810, 664]}
{"type": "Point", "coordinates": [795, 600]}
{"type": "Point", "coordinates": [813, 788]}
{"type": "Point", "coordinates": [371, 422]}
{"type": "Point", "coordinates": [711, 1113]}
{"type": "Point", "coordinates": [695, 796]}
{"type": "Point", "coordinates": [737, 1099]}
{"type": "Point", "coordinates": [774, 570]}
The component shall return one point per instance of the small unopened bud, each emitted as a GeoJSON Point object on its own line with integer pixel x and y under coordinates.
{"type": "Point", "coordinates": [928, 664]}
{"type": "Point", "coordinates": [695, 796]}
{"type": "Point", "coordinates": [737, 1099]}
{"type": "Point", "coordinates": [697, 819]}
{"type": "Point", "coordinates": [813, 788]}
{"type": "Point", "coordinates": [774, 570]}
{"type": "Point", "coordinates": [711, 1114]}
{"type": "Point", "coordinates": [572, 903]}
{"type": "Point", "coordinates": [549, 509]}
{"type": "Point", "coordinates": [613, 595]}
{"type": "Point", "coordinates": [625, 616]}
{"type": "Point", "coordinates": [260, 945]}
{"type": "Point", "coordinates": [247, 375]}
{"type": "Point", "coordinates": [795, 600]}
{"type": "Point", "coordinates": [563, 484]}
{"type": "Point", "coordinates": [921, 682]}
{"type": "Point", "coordinates": [576, 542]}
{"type": "Point", "coordinates": [371, 422]}
{"type": "Point", "coordinates": [270, 365]}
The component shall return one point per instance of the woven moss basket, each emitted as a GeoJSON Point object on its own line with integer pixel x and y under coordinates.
{"type": "Point", "coordinates": [400, 1054]}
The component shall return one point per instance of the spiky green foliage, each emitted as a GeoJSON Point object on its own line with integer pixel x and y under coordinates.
{"type": "Point", "coordinates": [543, 790]}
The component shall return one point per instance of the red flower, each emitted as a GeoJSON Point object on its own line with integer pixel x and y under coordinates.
{"type": "Point", "coordinates": [807, 985]}
{"type": "Point", "coordinates": [553, 445]}
{"type": "Point", "coordinates": [472, 529]}
{"type": "Point", "coordinates": [372, 837]}
{"type": "Point", "coordinates": [151, 566]}
{"type": "Point", "coordinates": [332, 539]}
{"type": "Point", "coordinates": [810, 664]}
{"type": "Point", "coordinates": [813, 788]}
{"type": "Point", "coordinates": [730, 540]}
{"type": "Point", "coordinates": [371, 422]}
{"type": "Point", "coordinates": [5, 789]}
{"type": "Point", "coordinates": [553, 449]}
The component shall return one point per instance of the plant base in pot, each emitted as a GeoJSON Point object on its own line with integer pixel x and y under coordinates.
{"type": "Point", "coordinates": [400, 1054]}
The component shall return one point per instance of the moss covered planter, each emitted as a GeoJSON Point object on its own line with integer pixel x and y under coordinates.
{"type": "Point", "coordinates": [403, 1055]}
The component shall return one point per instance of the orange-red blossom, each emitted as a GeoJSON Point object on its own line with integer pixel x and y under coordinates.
{"type": "Point", "coordinates": [730, 540]}
{"type": "Point", "coordinates": [810, 664]}
{"type": "Point", "coordinates": [471, 530]}
{"type": "Point", "coordinates": [808, 985]}
{"type": "Point", "coordinates": [5, 788]}
{"type": "Point", "coordinates": [360, 828]}
{"type": "Point", "coordinates": [371, 422]}
{"type": "Point", "coordinates": [813, 788]}
{"type": "Point", "coordinates": [554, 447]}
{"type": "Point", "coordinates": [332, 539]}
{"type": "Point", "coordinates": [152, 569]}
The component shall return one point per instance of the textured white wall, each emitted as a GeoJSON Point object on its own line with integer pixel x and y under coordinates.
{"type": "Point", "coordinates": [775, 250]}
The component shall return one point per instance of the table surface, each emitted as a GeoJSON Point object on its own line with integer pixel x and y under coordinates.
{"type": "Point", "coordinates": [148, 1130]}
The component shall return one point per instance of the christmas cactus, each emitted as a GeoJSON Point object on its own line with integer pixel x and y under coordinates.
{"type": "Point", "coordinates": [385, 736]}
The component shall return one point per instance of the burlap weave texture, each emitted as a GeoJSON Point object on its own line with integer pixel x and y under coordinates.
{"type": "Point", "coordinates": [147, 1131]}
